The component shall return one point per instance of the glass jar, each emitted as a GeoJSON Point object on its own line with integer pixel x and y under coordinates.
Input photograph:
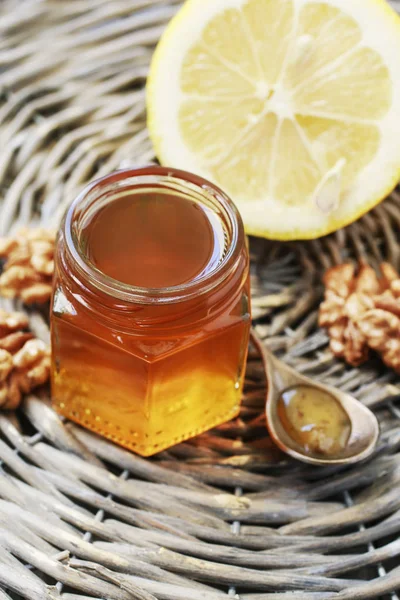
{"type": "Point", "coordinates": [148, 367]}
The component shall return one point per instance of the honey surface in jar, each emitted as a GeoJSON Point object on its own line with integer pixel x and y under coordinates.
{"type": "Point", "coordinates": [154, 240]}
{"type": "Point", "coordinates": [168, 364]}
{"type": "Point", "coordinates": [315, 420]}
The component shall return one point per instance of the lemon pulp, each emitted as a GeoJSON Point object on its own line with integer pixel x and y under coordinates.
{"type": "Point", "coordinates": [288, 105]}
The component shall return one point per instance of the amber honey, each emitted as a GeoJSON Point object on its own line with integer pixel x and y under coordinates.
{"type": "Point", "coordinates": [315, 420]}
{"type": "Point", "coordinates": [150, 314]}
{"type": "Point", "coordinates": [154, 240]}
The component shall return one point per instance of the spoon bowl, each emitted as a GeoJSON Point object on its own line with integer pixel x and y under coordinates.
{"type": "Point", "coordinates": [364, 427]}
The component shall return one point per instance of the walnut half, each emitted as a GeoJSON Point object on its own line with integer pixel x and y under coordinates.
{"type": "Point", "coordinates": [24, 361]}
{"type": "Point", "coordinates": [347, 297]}
{"type": "Point", "coordinates": [361, 312]}
{"type": "Point", "coordinates": [29, 265]}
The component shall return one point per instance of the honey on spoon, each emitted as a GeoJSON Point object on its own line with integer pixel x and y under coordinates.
{"type": "Point", "coordinates": [313, 422]}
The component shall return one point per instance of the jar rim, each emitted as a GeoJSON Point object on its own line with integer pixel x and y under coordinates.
{"type": "Point", "coordinates": [169, 177]}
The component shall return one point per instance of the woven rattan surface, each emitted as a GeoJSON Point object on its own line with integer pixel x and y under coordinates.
{"type": "Point", "coordinates": [224, 515]}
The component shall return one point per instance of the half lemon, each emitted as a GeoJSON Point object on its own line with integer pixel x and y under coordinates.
{"type": "Point", "coordinates": [291, 106]}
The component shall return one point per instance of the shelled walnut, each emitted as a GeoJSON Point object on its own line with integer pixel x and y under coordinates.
{"type": "Point", "coordinates": [361, 311]}
{"type": "Point", "coordinates": [29, 265]}
{"type": "Point", "coordinates": [347, 296]}
{"type": "Point", "coordinates": [24, 360]}
{"type": "Point", "coordinates": [382, 330]}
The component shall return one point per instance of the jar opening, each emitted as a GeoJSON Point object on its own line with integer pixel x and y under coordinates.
{"type": "Point", "coordinates": [153, 235]}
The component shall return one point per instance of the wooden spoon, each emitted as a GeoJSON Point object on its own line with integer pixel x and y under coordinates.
{"type": "Point", "coordinates": [363, 425]}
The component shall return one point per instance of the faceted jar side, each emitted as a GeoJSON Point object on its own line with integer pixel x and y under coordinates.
{"type": "Point", "coordinates": [199, 386]}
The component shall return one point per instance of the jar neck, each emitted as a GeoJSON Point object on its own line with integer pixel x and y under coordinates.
{"type": "Point", "coordinates": [115, 294]}
{"type": "Point", "coordinates": [127, 317]}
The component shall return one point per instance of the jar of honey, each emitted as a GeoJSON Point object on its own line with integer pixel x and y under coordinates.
{"type": "Point", "coordinates": [151, 308]}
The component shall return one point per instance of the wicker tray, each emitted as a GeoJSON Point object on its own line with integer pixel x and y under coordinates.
{"type": "Point", "coordinates": [224, 515]}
